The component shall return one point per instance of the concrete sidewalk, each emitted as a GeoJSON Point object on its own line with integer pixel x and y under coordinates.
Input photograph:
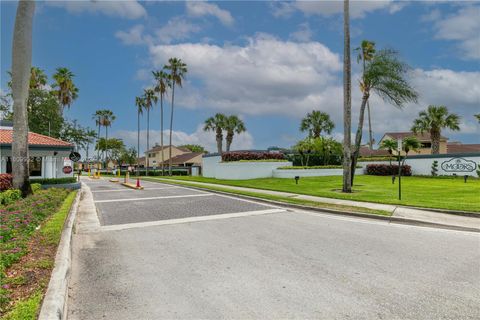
{"type": "Point", "coordinates": [408, 213]}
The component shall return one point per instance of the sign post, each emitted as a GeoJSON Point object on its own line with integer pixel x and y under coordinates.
{"type": "Point", "coordinates": [399, 148]}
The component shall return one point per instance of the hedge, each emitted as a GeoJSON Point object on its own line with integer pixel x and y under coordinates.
{"type": "Point", "coordinates": [54, 180]}
{"type": "Point", "coordinates": [238, 156]}
{"type": "Point", "coordinates": [387, 170]}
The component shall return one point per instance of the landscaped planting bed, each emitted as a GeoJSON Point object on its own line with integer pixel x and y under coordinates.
{"type": "Point", "coordinates": [29, 235]}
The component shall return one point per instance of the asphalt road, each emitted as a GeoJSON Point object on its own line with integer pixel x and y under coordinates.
{"type": "Point", "coordinates": [178, 253]}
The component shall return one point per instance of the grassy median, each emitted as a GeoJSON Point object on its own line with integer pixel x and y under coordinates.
{"type": "Point", "coordinates": [441, 193]}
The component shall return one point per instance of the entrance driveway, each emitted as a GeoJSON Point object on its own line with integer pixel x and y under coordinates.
{"type": "Point", "coordinates": [177, 253]}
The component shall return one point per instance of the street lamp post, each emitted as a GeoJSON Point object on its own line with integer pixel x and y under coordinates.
{"type": "Point", "coordinates": [399, 148]}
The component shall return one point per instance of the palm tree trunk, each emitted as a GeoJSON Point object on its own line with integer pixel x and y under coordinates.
{"type": "Point", "coordinates": [147, 155]}
{"type": "Point", "coordinates": [347, 100]}
{"type": "Point", "coordinates": [161, 133]}
{"type": "Point", "coordinates": [229, 141]}
{"type": "Point", "coordinates": [358, 136]}
{"type": "Point", "coordinates": [171, 125]}
{"type": "Point", "coordinates": [106, 147]}
{"type": "Point", "coordinates": [435, 138]}
{"type": "Point", "coordinates": [138, 143]}
{"type": "Point", "coordinates": [219, 138]}
{"type": "Point", "coordinates": [98, 139]}
{"type": "Point", "coordinates": [21, 64]}
{"type": "Point", "coordinates": [370, 132]}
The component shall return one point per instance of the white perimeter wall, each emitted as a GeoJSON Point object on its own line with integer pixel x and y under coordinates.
{"type": "Point", "coordinates": [423, 166]}
{"type": "Point", "coordinates": [291, 173]}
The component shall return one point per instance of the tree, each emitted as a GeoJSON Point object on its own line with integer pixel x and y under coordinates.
{"type": "Point", "coordinates": [366, 52]}
{"type": "Point", "coordinates": [216, 124]}
{"type": "Point", "coordinates": [194, 148]}
{"type": "Point", "coordinates": [149, 98]}
{"type": "Point", "coordinates": [21, 64]}
{"type": "Point", "coordinates": [140, 104]}
{"type": "Point", "coordinates": [328, 148]}
{"type": "Point", "coordinates": [390, 145]}
{"type": "Point", "coordinates": [98, 117]}
{"type": "Point", "coordinates": [80, 136]}
{"type": "Point", "coordinates": [66, 91]}
{"type": "Point", "coordinates": [178, 70]}
{"type": "Point", "coordinates": [113, 145]}
{"type": "Point", "coordinates": [384, 75]}
{"type": "Point", "coordinates": [305, 148]}
{"type": "Point", "coordinates": [163, 83]}
{"type": "Point", "coordinates": [433, 121]}
{"type": "Point", "coordinates": [410, 144]}
{"type": "Point", "coordinates": [106, 119]}
{"type": "Point", "coordinates": [233, 124]}
{"type": "Point", "coordinates": [38, 78]}
{"type": "Point", "coordinates": [128, 156]}
{"type": "Point", "coordinates": [347, 100]}
{"type": "Point", "coordinates": [478, 117]}
{"type": "Point", "coordinates": [317, 122]}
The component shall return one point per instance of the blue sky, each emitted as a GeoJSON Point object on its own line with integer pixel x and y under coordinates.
{"type": "Point", "coordinates": [268, 62]}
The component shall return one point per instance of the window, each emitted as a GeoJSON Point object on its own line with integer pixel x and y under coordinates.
{"type": "Point", "coordinates": [426, 144]}
{"type": "Point", "coordinates": [35, 166]}
{"type": "Point", "coordinates": [151, 155]}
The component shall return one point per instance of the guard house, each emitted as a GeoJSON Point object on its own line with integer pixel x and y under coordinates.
{"type": "Point", "coordinates": [49, 157]}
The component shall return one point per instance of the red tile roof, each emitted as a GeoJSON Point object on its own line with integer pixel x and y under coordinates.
{"type": "Point", "coordinates": [34, 139]}
{"type": "Point", "coordinates": [367, 152]}
{"type": "Point", "coordinates": [184, 158]}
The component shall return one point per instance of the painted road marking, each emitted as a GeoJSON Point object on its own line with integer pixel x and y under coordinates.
{"type": "Point", "coordinates": [125, 189]}
{"type": "Point", "coordinates": [154, 198]}
{"type": "Point", "coordinates": [190, 219]}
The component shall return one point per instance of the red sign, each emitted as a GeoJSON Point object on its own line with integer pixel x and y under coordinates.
{"type": "Point", "coordinates": [67, 169]}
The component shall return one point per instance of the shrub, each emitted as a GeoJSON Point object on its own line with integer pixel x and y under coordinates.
{"type": "Point", "coordinates": [237, 156]}
{"type": "Point", "coordinates": [55, 180]}
{"type": "Point", "coordinates": [387, 170]}
{"type": "Point", "coordinates": [435, 168]}
{"type": "Point", "coordinates": [5, 181]}
{"type": "Point", "coordinates": [36, 187]}
{"type": "Point", "coordinates": [9, 196]}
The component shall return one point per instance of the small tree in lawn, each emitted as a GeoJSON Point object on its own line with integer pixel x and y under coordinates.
{"type": "Point", "coordinates": [390, 145]}
{"type": "Point", "coordinates": [304, 148]}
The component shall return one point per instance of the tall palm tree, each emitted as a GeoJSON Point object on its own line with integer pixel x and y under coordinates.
{"type": "Point", "coordinates": [163, 83]}
{"type": "Point", "coordinates": [107, 119]}
{"type": "Point", "coordinates": [366, 53]}
{"type": "Point", "coordinates": [384, 75]}
{"type": "Point", "coordinates": [38, 78]}
{"type": "Point", "coordinates": [217, 124]}
{"type": "Point", "coordinates": [140, 104]}
{"type": "Point", "coordinates": [433, 121]}
{"type": "Point", "coordinates": [177, 71]}
{"type": "Point", "coordinates": [150, 99]}
{"type": "Point", "coordinates": [347, 100]}
{"type": "Point", "coordinates": [233, 124]}
{"type": "Point", "coordinates": [317, 122]}
{"type": "Point", "coordinates": [98, 117]}
{"type": "Point", "coordinates": [66, 91]}
{"type": "Point", "coordinates": [478, 117]}
{"type": "Point", "coordinates": [21, 64]}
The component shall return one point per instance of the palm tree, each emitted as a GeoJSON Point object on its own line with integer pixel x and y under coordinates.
{"type": "Point", "coordinates": [98, 117]}
{"type": "Point", "coordinates": [366, 53]}
{"type": "Point", "coordinates": [38, 78]}
{"type": "Point", "coordinates": [233, 125]}
{"type": "Point", "coordinates": [66, 91]}
{"type": "Point", "coordinates": [434, 120]}
{"type": "Point", "coordinates": [385, 75]}
{"type": "Point", "coordinates": [163, 83]}
{"type": "Point", "coordinates": [21, 64]}
{"type": "Point", "coordinates": [178, 70]}
{"type": "Point", "coordinates": [389, 145]}
{"type": "Point", "coordinates": [478, 117]}
{"type": "Point", "coordinates": [150, 99]}
{"type": "Point", "coordinates": [410, 144]}
{"type": "Point", "coordinates": [315, 122]}
{"type": "Point", "coordinates": [217, 124]}
{"type": "Point", "coordinates": [347, 100]}
{"type": "Point", "coordinates": [140, 103]}
{"type": "Point", "coordinates": [107, 119]}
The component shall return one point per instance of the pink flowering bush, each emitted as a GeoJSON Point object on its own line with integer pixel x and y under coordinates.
{"type": "Point", "coordinates": [238, 156]}
{"type": "Point", "coordinates": [5, 181]}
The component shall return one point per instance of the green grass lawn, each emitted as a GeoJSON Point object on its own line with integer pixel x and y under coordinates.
{"type": "Point", "coordinates": [442, 193]}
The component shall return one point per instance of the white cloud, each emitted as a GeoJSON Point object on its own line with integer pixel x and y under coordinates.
{"type": "Point", "coordinates": [200, 9]}
{"type": "Point", "coordinates": [303, 34]}
{"type": "Point", "coordinates": [176, 28]}
{"type": "Point", "coordinates": [206, 139]}
{"type": "Point", "coordinates": [266, 76]}
{"type": "Point", "coordinates": [129, 9]}
{"type": "Point", "coordinates": [358, 8]}
{"type": "Point", "coordinates": [133, 36]}
{"type": "Point", "coordinates": [462, 26]}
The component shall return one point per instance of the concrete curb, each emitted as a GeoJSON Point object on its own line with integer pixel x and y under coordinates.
{"type": "Point", "coordinates": [54, 302]}
{"type": "Point", "coordinates": [335, 212]}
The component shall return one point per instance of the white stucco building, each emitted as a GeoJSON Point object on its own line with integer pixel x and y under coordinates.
{"type": "Point", "coordinates": [48, 156]}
